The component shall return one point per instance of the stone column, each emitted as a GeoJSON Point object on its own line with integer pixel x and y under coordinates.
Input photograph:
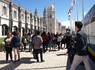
{"type": "Point", "coordinates": [26, 24]}
{"type": "Point", "coordinates": [10, 17]}
{"type": "Point", "coordinates": [19, 20]}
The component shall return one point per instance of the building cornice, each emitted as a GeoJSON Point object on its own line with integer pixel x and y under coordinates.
{"type": "Point", "coordinates": [5, 1]}
{"type": "Point", "coordinates": [22, 9]}
{"type": "Point", "coordinates": [3, 18]}
{"type": "Point", "coordinates": [15, 6]}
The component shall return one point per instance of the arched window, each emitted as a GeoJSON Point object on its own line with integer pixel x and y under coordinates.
{"type": "Point", "coordinates": [15, 28]}
{"type": "Point", "coordinates": [50, 24]}
{"type": "Point", "coordinates": [28, 19]}
{"type": "Point", "coordinates": [22, 16]}
{"type": "Point", "coordinates": [15, 14]}
{"type": "Point", "coordinates": [4, 29]}
{"type": "Point", "coordinates": [4, 10]}
{"type": "Point", "coordinates": [50, 16]}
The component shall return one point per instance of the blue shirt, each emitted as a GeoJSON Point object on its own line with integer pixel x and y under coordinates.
{"type": "Point", "coordinates": [15, 42]}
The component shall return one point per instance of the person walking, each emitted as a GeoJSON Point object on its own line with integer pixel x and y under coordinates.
{"type": "Point", "coordinates": [68, 40]}
{"type": "Point", "coordinates": [15, 42]}
{"type": "Point", "coordinates": [81, 54]}
{"type": "Point", "coordinates": [24, 41]}
{"type": "Point", "coordinates": [29, 40]}
{"type": "Point", "coordinates": [45, 41]}
{"type": "Point", "coordinates": [8, 47]}
{"type": "Point", "coordinates": [37, 42]}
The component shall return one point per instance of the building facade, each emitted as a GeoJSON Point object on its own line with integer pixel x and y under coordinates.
{"type": "Point", "coordinates": [16, 18]}
{"type": "Point", "coordinates": [49, 19]}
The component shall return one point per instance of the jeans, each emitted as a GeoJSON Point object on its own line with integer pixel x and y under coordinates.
{"type": "Point", "coordinates": [8, 51]}
{"type": "Point", "coordinates": [37, 51]}
{"type": "Point", "coordinates": [78, 59]}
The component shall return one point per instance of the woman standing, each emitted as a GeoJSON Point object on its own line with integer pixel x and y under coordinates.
{"type": "Point", "coordinates": [15, 42]}
{"type": "Point", "coordinates": [7, 46]}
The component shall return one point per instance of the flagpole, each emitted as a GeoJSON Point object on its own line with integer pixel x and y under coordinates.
{"type": "Point", "coordinates": [77, 9]}
{"type": "Point", "coordinates": [83, 12]}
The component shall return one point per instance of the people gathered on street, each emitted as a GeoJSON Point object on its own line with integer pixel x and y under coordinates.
{"type": "Point", "coordinates": [39, 43]}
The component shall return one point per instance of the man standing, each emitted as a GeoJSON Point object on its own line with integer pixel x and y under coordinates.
{"type": "Point", "coordinates": [37, 42]}
{"type": "Point", "coordinates": [81, 54]}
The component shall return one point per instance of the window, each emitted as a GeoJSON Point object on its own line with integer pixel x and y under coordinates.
{"type": "Point", "coordinates": [28, 18]}
{"type": "Point", "coordinates": [50, 16]}
{"type": "Point", "coordinates": [15, 14]}
{"type": "Point", "coordinates": [4, 29]}
{"type": "Point", "coordinates": [93, 18]}
{"type": "Point", "coordinates": [31, 20]}
{"type": "Point", "coordinates": [4, 10]}
{"type": "Point", "coordinates": [22, 16]}
{"type": "Point", "coordinates": [15, 28]}
{"type": "Point", "coordinates": [50, 24]}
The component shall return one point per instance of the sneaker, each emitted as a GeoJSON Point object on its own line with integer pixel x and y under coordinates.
{"type": "Point", "coordinates": [18, 60]}
{"type": "Point", "coordinates": [37, 60]}
{"type": "Point", "coordinates": [42, 61]}
{"type": "Point", "coordinates": [7, 61]}
{"type": "Point", "coordinates": [11, 60]}
{"type": "Point", "coordinates": [14, 61]}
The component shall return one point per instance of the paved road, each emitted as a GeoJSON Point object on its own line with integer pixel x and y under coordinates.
{"type": "Point", "coordinates": [54, 60]}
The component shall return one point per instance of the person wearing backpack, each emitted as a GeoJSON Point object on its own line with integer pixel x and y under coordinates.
{"type": "Point", "coordinates": [81, 54]}
{"type": "Point", "coordinates": [37, 43]}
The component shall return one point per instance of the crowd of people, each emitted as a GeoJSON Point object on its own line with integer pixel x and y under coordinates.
{"type": "Point", "coordinates": [40, 43]}
{"type": "Point", "coordinates": [45, 42]}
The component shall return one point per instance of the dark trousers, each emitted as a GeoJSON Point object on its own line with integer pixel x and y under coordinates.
{"type": "Point", "coordinates": [24, 46]}
{"type": "Point", "coordinates": [45, 46]}
{"type": "Point", "coordinates": [58, 43]}
{"type": "Point", "coordinates": [71, 54]}
{"type": "Point", "coordinates": [8, 51]}
{"type": "Point", "coordinates": [37, 51]}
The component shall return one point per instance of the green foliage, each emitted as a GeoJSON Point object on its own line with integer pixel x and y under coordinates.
{"type": "Point", "coordinates": [1, 44]}
{"type": "Point", "coordinates": [1, 40]}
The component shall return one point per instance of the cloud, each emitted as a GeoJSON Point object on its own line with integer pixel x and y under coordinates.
{"type": "Point", "coordinates": [85, 13]}
{"type": "Point", "coordinates": [66, 23]}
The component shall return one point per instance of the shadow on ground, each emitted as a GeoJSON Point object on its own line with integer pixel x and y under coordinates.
{"type": "Point", "coordinates": [12, 66]}
{"type": "Point", "coordinates": [60, 54]}
{"type": "Point", "coordinates": [48, 68]}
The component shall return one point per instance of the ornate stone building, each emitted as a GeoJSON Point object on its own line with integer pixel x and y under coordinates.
{"type": "Point", "coordinates": [49, 21]}
{"type": "Point", "coordinates": [16, 18]}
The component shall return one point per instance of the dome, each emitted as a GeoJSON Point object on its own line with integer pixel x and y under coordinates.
{"type": "Point", "coordinates": [51, 7]}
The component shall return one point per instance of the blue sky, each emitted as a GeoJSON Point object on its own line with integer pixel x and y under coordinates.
{"type": "Point", "coordinates": [62, 7]}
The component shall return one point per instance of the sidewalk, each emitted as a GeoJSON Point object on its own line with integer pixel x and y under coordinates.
{"type": "Point", "coordinates": [54, 60]}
